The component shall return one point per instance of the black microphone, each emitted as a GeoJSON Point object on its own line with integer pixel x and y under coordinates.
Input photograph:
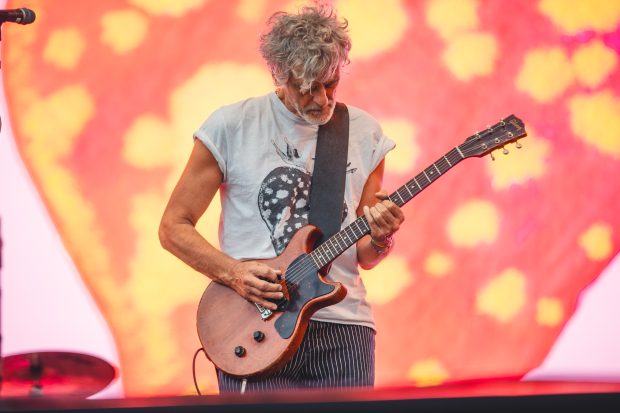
{"type": "Point", "coordinates": [21, 16]}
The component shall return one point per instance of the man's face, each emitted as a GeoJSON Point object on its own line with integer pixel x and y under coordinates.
{"type": "Point", "coordinates": [315, 106]}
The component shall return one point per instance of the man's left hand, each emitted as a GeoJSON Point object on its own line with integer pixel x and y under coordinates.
{"type": "Point", "coordinates": [384, 218]}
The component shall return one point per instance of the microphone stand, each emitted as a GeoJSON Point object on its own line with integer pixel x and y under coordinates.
{"type": "Point", "coordinates": [1, 357]}
{"type": "Point", "coordinates": [28, 16]}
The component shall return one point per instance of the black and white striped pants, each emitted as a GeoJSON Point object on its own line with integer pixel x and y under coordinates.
{"type": "Point", "coordinates": [330, 356]}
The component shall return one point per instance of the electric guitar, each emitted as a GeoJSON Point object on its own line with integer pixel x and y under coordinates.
{"type": "Point", "coordinates": [245, 339]}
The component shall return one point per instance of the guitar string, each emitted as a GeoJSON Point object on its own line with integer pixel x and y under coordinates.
{"type": "Point", "coordinates": [307, 262]}
{"type": "Point", "coordinates": [454, 158]}
{"type": "Point", "coordinates": [299, 272]}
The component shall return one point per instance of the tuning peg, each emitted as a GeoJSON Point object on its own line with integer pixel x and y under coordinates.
{"type": "Point", "coordinates": [518, 145]}
{"type": "Point", "coordinates": [492, 157]}
{"type": "Point", "coordinates": [505, 151]}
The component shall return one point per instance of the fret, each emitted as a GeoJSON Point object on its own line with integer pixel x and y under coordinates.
{"type": "Point", "coordinates": [417, 183]}
{"type": "Point", "coordinates": [403, 196]}
{"type": "Point", "coordinates": [437, 169]}
{"type": "Point", "coordinates": [338, 238]}
{"type": "Point", "coordinates": [329, 251]}
{"type": "Point", "coordinates": [366, 228]}
{"type": "Point", "coordinates": [426, 175]}
{"type": "Point", "coordinates": [316, 264]}
{"type": "Point", "coordinates": [408, 190]}
{"type": "Point", "coordinates": [401, 199]}
{"type": "Point", "coordinates": [444, 165]}
{"type": "Point", "coordinates": [461, 153]}
{"type": "Point", "coordinates": [346, 230]}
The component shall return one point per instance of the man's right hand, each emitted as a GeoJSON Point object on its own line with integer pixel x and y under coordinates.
{"type": "Point", "coordinates": [256, 282]}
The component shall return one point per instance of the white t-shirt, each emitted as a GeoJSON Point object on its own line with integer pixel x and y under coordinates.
{"type": "Point", "coordinates": [266, 155]}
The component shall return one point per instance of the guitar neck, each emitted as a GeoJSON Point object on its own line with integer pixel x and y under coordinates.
{"type": "Point", "coordinates": [346, 237]}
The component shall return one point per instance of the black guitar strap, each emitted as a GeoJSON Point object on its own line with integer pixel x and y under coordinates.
{"type": "Point", "coordinates": [329, 174]}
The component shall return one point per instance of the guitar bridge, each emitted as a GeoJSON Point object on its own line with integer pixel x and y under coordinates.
{"type": "Point", "coordinates": [265, 313]}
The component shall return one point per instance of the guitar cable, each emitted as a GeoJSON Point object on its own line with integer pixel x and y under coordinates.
{"type": "Point", "coordinates": [194, 369]}
{"type": "Point", "coordinates": [244, 382]}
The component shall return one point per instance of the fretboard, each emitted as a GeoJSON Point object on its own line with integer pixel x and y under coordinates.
{"type": "Point", "coordinates": [346, 237]}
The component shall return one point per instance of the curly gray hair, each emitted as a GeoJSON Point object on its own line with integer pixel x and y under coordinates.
{"type": "Point", "coordinates": [311, 45]}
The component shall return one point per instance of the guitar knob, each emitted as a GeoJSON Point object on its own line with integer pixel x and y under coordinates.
{"type": "Point", "coordinates": [259, 336]}
{"type": "Point", "coordinates": [239, 351]}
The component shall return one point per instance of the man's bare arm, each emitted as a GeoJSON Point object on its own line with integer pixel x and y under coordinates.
{"type": "Point", "coordinates": [177, 233]}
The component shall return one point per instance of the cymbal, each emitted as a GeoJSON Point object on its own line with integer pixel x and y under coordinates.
{"type": "Point", "coordinates": [52, 373]}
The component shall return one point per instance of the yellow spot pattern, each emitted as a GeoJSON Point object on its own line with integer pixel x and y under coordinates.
{"type": "Point", "coordinates": [156, 347]}
{"type": "Point", "coordinates": [468, 53]}
{"type": "Point", "coordinates": [123, 30]}
{"type": "Point", "coordinates": [520, 165]}
{"type": "Point", "coordinates": [215, 85]}
{"type": "Point", "coordinates": [151, 142]}
{"type": "Point", "coordinates": [294, 6]}
{"type": "Point", "coordinates": [428, 372]}
{"type": "Point", "coordinates": [503, 297]}
{"type": "Point", "coordinates": [251, 10]}
{"type": "Point", "coordinates": [51, 129]}
{"type": "Point", "coordinates": [545, 74]}
{"type": "Point", "coordinates": [574, 16]}
{"type": "Point", "coordinates": [64, 48]}
{"type": "Point", "coordinates": [388, 280]}
{"type": "Point", "coordinates": [596, 120]}
{"type": "Point", "coordinates": [403, 132]}
{"type": "Point", "coordinates": [51, 132]}
{"type": "Point", "coordinates": [471, 55]}
{"type": "Point", "coordinates": [549, 312]}
{"type": "Point", "coordinates": [175, 8]}
{"type": "Point", "coordinates": [473, 223]}
{"type": "Point", "coordinates": [593, 63]}
{"type": "Point", "coordinates": [159, 283]}
{"type": "Point", "coordinates": [452, 17]}
{"type": "Point", "coordinates": [374, 26]}
{"type": "Point", "coordinates": [438, 264]}
{"type": "Point", "coordinates": [596, 241]}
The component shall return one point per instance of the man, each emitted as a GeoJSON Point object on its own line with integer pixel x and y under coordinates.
{"type": "Point", "coordinates": [260, 154]}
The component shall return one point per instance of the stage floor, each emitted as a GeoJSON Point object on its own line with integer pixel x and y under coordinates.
{"type": "Point", "coordinates": [480, 396]}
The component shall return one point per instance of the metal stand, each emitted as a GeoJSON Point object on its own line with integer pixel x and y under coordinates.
{"type": "Point", "coordinates": [1, 357]}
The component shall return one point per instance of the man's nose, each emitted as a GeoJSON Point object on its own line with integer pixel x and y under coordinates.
{"type": "Point", "coordinates": [319, 95]}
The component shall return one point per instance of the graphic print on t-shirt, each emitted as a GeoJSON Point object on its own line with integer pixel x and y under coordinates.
{"type": "Point", "coordinates": [284, 197]}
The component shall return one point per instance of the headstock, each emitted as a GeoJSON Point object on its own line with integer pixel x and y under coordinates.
{"type": "Point", "coordinates": [510, 129]}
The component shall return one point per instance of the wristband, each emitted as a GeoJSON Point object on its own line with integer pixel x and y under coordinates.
{"type": "Point", "coordinates": [381, 247]}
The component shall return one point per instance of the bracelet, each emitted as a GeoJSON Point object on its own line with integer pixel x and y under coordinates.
{"type": "Point", "coordinates": [382, 247]}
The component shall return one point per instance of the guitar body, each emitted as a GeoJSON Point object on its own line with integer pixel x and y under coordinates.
{"type": "Point", "coordinates": [227, 322]}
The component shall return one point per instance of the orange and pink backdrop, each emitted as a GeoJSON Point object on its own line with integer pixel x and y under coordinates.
{"type": "Point", "coordinates": [489, 265]}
